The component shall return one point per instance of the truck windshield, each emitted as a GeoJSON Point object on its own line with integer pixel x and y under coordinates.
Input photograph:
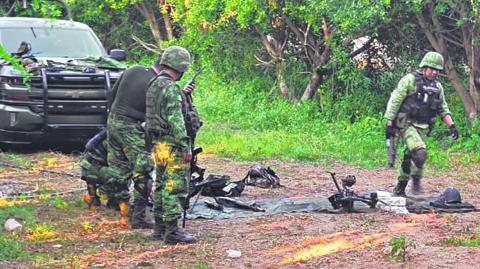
{"type": "Point", "coordinates": [53, 42]}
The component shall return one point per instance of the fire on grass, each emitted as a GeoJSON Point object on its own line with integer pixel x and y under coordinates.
{"type": "Point", "coordinates": [313, 247]}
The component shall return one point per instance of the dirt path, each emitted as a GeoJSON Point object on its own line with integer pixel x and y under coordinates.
{"type": "Point", "coordinates": [291, 240]}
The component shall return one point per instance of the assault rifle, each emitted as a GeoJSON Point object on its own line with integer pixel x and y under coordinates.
{"type": "Point", "coordinates": [344, 198]}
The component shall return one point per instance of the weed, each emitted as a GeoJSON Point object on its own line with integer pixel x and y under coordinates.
{"type": "Point", "coordinates": [208, 238]}
{"type": "Point", "coordinates": [58, 202]}
{"type": "Point", "coordinates": [462, 242]}
{"type": "Point", "coordinates": [11, 250]}
{"type": "Point", "coordinates": [89, 251]}
{"type": "Point", "coordinates": [367, 220]}
{"type": "Point", "coordinates": [39, 232]}
{"type": "Point", "coordinates": [399, 247]}
{"type": "Point", "coordinates": [87, 225]}
{"type": "Point", "coordinates": [197, 265]}
{"type": "Point", "coordinates": [15, 160]}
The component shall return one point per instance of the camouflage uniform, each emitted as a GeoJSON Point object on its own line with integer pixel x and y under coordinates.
{"type": "Point", "coordinates": [125, 134]}
{"type": "Point", "coordinates": [127, 157]}
{"type": "Point", "coordinates": [412, 123]}
{"type": "Point", "coordinates": [171, 146]}
{"type": "Point", "coordinates": [95, 171]}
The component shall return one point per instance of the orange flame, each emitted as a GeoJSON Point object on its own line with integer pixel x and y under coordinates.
{"type": "Point", "coordinates": [309, 248]}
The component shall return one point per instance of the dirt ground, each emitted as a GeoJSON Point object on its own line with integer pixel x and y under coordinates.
{"type": "Point", "coordinates": [84, 239]}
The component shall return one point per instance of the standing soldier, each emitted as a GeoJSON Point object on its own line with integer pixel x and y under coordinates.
{"type": "Point", "coordinates": [171, 125]}
{"type": "Point", "coordinates": [126, 142]}
{"type": "Point", "coordinates": [410, 112]}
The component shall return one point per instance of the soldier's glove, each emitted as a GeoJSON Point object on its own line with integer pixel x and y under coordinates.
{"type": "Point", "coordinates": [453, 132]}
{"type": "Point", "coordinates": [389, 132]}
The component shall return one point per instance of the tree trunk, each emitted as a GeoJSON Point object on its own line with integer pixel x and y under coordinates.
{"type": "Point", "coordinates": [168, 26]}
{"type": "Point", "coordinates": [280, 70]}
{"type": "Point", "coordinates": [313, 84]}
{"type": "Point", "coordinates": [146, 9]}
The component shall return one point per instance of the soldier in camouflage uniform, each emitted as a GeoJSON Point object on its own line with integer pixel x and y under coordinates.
{"type": "Point", "coordinates": [171, 124]}
{"type": "Point", "coordinates": [413, 105]}
{"type": "Point", "coordinates": [127, 157]}
{"type": "Point", "coordinates": [95, 172]}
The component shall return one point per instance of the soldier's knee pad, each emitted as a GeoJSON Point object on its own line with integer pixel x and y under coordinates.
{"type": "Point", "coordinates": [420, 157]}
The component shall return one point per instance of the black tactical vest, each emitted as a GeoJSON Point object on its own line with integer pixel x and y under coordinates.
{"type": "Point", "coordinates": [425, 103]}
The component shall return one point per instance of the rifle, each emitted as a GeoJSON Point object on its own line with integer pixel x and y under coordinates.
{"type": "Point", "coordinates": [344, 198]}
{"type": "Point", "coordinates": [97, 139]}
{"type": "Point", "coordinates": [197, 175]}
{"type": "Point", "coordinates": [390, 143]}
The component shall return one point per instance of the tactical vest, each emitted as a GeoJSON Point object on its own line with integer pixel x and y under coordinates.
{"type": "Point", "coordinates": [157, 126]}
{"type": "Point", "coordinates": [425, 103]}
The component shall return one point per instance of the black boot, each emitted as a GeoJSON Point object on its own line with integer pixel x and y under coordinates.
{"type": "Point", "coordinates": [416, 186]}
{"type": "Point", "coordinates": [399, 190]}
{"type": "Point", "coordinates": [174, 235]}
{"type": "Point", "coordinates": [138, 220]}
{"type": "Point", "coordinates": [158, 229]}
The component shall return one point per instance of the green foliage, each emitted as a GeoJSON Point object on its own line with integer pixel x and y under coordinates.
{"type": "Point", "coordinates": [15, 160]}
{"type": "Point", "coordinates": [399, 248]}
{"type": "Point", "coordinates": [58, 202]}
{"type": "Point", "coordinates": [10, 249]}
{"type": "Point", "coordinates": [462, 242]}
{"type": "Point", "coordinates": [197, 265]}
{"type": "Point", "coordinates": [25, 214]}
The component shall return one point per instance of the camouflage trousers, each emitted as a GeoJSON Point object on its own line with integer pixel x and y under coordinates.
{"type": "Point", "coordinates": [98, 175]}
{"type": "Point", "coordinates": [413, 139]}
{"type": "Point", "coordinates": [171, 182]}
{"type": "Point", "coordinates": [127, 158]}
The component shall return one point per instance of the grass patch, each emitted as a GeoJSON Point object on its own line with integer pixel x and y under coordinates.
{"type": "Point", "coordinates": [11, 249]}
{"type": "Point", "coordinates": [454, 241]}
{"type": "Point", "coordinates": [15, 160]}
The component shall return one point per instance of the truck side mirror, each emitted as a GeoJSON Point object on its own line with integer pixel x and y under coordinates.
{"type": "Point", "coordinates": [118, 54]}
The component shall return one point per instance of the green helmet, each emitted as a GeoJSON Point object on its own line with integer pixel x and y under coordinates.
{"type": "Point", "coordinates": [177, 58]}
{"type": "Point", "coordinates": [432, 59]}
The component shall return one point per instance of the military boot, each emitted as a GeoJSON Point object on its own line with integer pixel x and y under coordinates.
{"type": "Point", "coordinates": [399, 190]}
{"type": "Point", "coordinates": [416, 186]}
{"type": "Point", "coordinates": [174, 235]}
{"type": "Point", "coordinates": [92, 192]}
{"type": "Point", "coordinates": [158, 229]}
{"type": "Point", "coordinates": [137, 220]}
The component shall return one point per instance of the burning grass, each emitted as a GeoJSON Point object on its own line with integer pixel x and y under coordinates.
{"type": "Point", "coordinates": [352, 240]}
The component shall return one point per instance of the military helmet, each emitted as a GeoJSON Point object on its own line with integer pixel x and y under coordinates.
{"type": "Point", "coordinates": [177, 58]}
{"type": "Point", "coordinates": [432, 59]}
{"type": "Point", "coordinates": [450, 196]}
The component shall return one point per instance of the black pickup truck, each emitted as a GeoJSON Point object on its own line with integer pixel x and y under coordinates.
{"type": "Point", "coordinates": [64, 94]}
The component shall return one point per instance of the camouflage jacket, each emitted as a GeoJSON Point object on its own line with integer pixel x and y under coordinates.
{"type": "Point", "coordinates": [164, 117]}
{"type": "Point", "coordinates": [406, 87]}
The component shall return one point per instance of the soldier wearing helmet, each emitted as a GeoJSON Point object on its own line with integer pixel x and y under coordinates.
{"type": "Point", "coordinates": [170, 142]}
{"type": "Point", "coordinates": [413, 105]}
